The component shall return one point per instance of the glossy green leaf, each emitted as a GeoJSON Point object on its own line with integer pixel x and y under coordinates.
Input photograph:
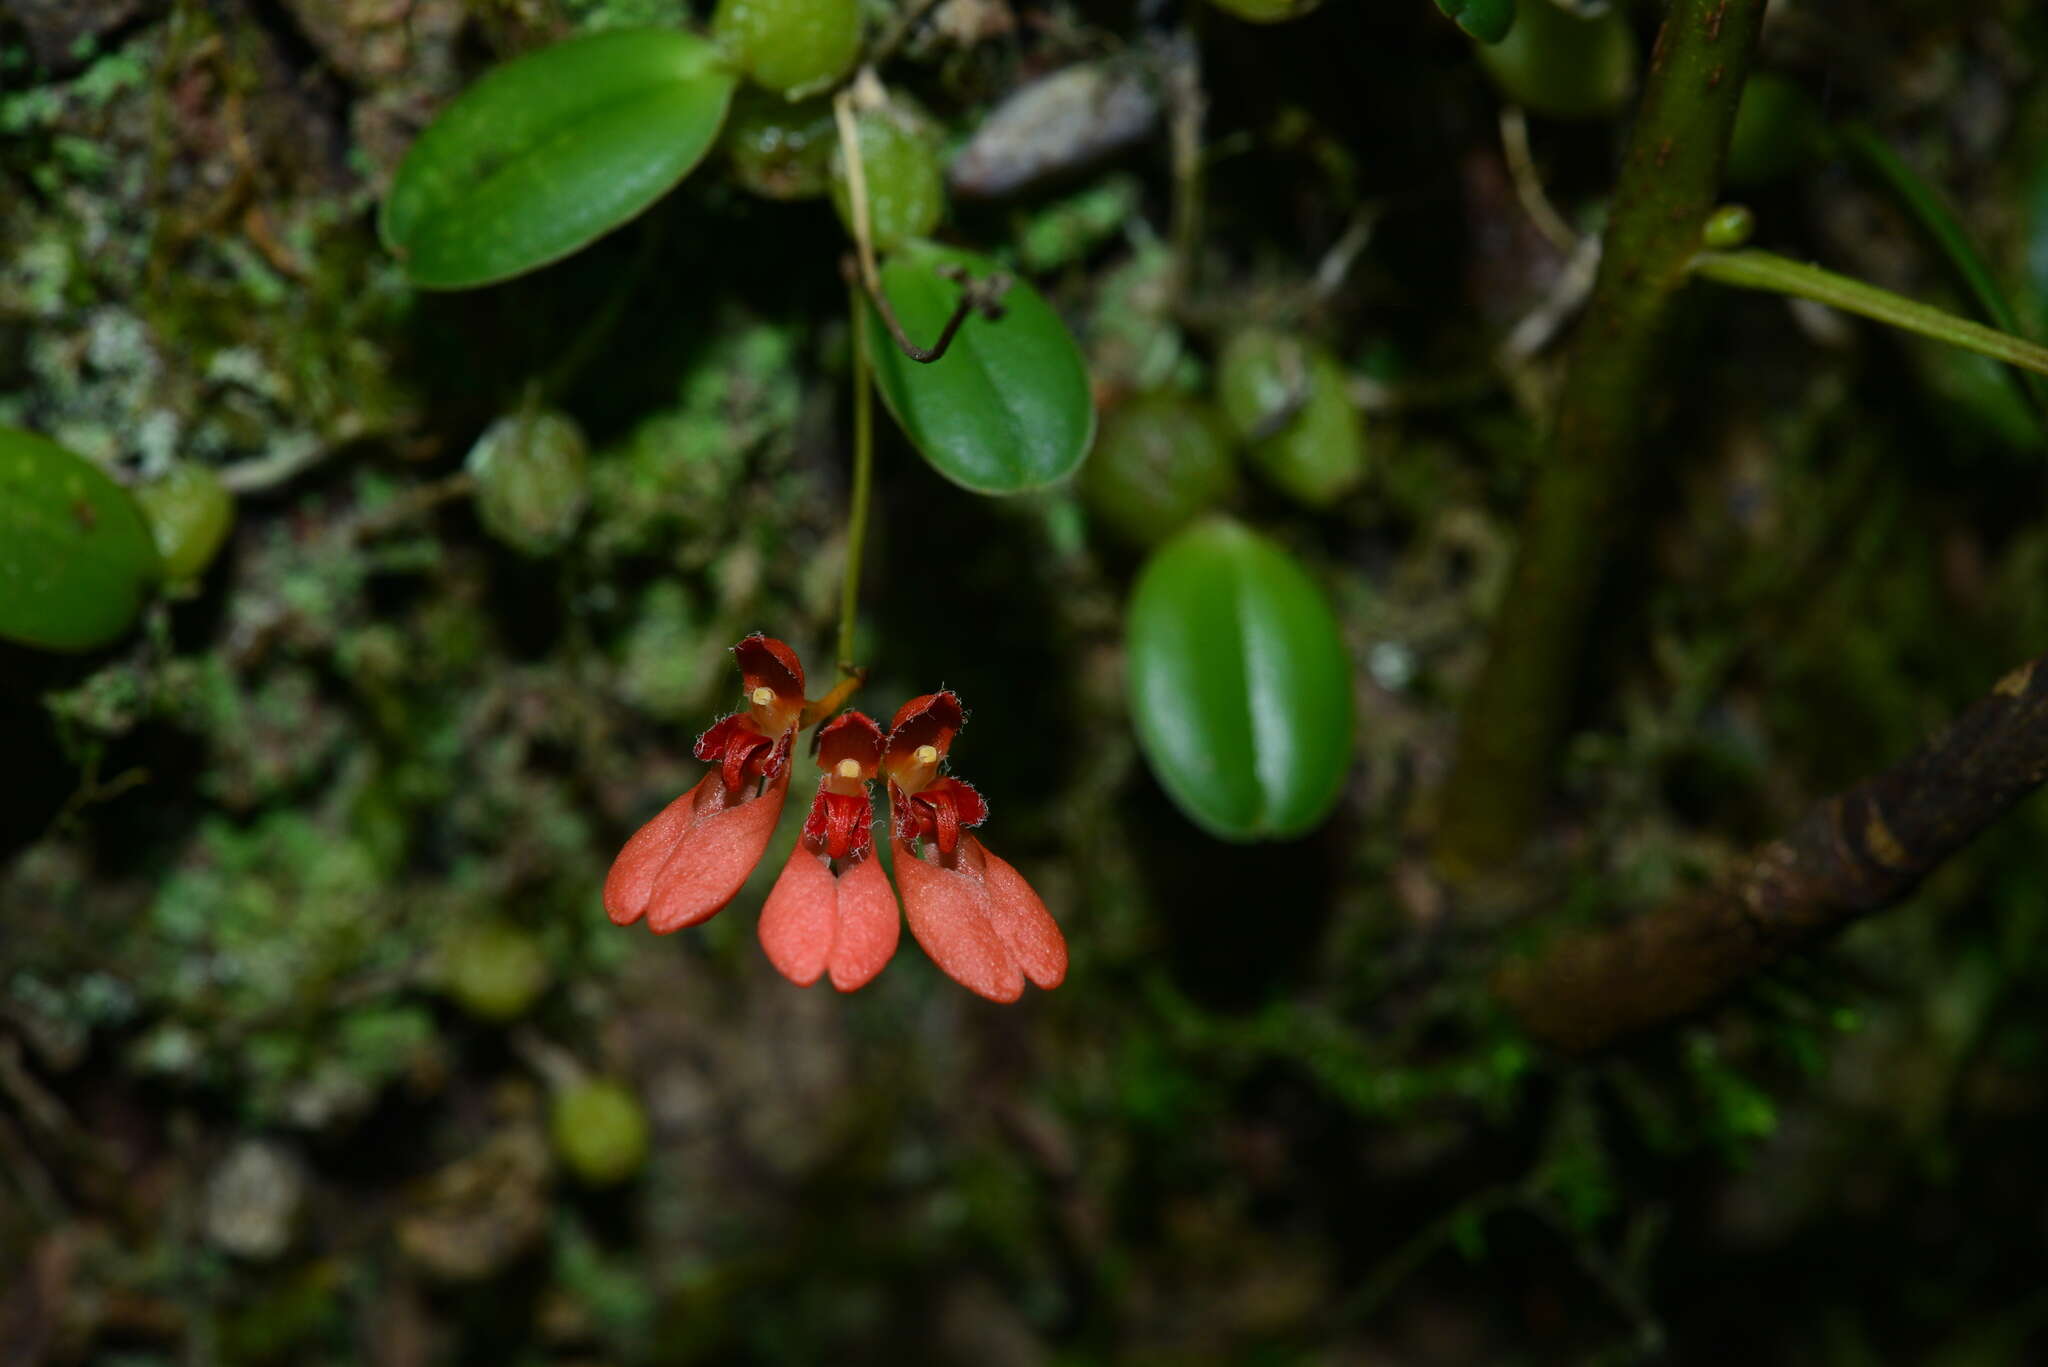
{"type": "Point", "coordinates": [1240, 687]}
{"type": "Point", "coordinates": [1007, 408]}
{"type": "Point", "coordinates": [76, 557]}
{"type": "Point", "coordinates": [548, 153]}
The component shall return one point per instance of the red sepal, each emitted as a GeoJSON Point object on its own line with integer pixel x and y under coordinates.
{"type": "Point", "coordinates": [933, 720]}
{"type": "Point", "coordinates": [767, 663]}
{"type": "Point", "coordinates": [692, 858]}
{"type": "Point", "coordinates": [817, 921]}
{"type": "Point", "coordinates": [850, 735]}
{"type": "Point", "coordinates": [979, 920]}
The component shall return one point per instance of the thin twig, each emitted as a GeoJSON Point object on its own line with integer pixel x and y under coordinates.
{"type": "Point", "coordinates": [982, 296]}
{"type": "Point", "coordinates": [1514, 144]}
{"type": "Point", "coordinates": [856, 187]}
{"type": "Point", "coordinates": [419, 499]}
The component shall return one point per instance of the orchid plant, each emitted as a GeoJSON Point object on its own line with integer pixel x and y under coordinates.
{"type": "Point", "coordinates": [832, 910]}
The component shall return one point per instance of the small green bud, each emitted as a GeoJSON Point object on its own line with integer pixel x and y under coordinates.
{"type": "Point", "coordinates": [190, 513]}
{"type": "Point", "coordinates": [600, 1131]}
{"type": "Point", "coordinates": [532, 480]}
{"type": "Point", "coordinates": [1728, 227]}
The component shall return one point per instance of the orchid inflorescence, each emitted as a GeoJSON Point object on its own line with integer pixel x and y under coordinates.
{"type": "Point", "coordinates": [832, 911]}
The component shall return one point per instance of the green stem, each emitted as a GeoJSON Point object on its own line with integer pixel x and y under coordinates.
{"type": "Point", "coordinates": [1513, 720]}
{"type": "Point", "coordinates": [1754, 270]}
{"type": "Point", "coordinates": [863, 480]}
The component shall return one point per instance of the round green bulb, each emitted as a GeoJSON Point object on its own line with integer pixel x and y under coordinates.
{"type": "Point", "coordinates": [532, 480]}
{"type": "Point", "coordinates": [1161, 461]}
{"type": "Point", "coordinates": [792, 47]}
{"type": "Point", "coordinates": [906, 192]}
{"type": "Point", "coordinates": [1563, 66]}
{"type": "Point", "coordinates": [600, 1131]}
{"type": "Point", "coordinates": [494, 972]}
{"type": "Point", "coordinates": [1288, 399]}
{"type": "Point", "coordinates": [779, 149]}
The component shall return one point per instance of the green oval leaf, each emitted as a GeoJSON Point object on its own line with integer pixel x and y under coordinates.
{"type": "Point", "coordinates": [547, 153]}
{"type": "Point", "coordinates": [1240, 687]}
{"type": "Point", "coordinates": [76, 557]}
{"type": "Point", "coordinates": [1007, 408]}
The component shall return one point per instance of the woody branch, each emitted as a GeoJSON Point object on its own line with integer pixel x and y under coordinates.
{"type": "Point", "coordinates": [1855, 853]}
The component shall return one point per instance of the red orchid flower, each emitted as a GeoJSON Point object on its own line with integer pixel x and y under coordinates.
{"type": "Point", "coordinates": [974, 914]}
{"type": "Point", "coordinates": [689, 861]}
{"type": "Point", "coordinates": [832, 908]}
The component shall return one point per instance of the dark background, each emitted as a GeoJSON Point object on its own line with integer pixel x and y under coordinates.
{"type": "Point", "coordinates": [273, 1086]}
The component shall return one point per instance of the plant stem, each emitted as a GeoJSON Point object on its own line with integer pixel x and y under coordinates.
{"type": "Point", "coordinates": [863, 482]}
{"type": "Point", "coordinates": [1755, 270]}
{"type": "Point", "coordinates": [983, 296]}
{"type": "Point", "coordinates": [1514, 717]}
{"type": "Point", "coordinates": [1855, 853]}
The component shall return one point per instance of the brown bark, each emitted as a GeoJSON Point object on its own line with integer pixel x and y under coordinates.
{"type": "Point", "coordinates": [1857, 852]}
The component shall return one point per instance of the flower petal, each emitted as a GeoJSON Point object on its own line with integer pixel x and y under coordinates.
{"type": "Point", "coordinates": [798, 922]}
{"type": "Point", "coordinates": [850, 735]}
{"type": "Point", "coordinates": [869, 924]}
{"type": "Point", "coordinates": [1020, 918]}
{"type": "Point", "coordinates": [630, 884]}
{"type": "Point", "coordinates": [930, 719]}
{"type": "Point", "coordinates": [767, 663]}
{"type": "Point", "coordinates": [948, 911]}
{"type": "Point", "coordinates": [710, 863]}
